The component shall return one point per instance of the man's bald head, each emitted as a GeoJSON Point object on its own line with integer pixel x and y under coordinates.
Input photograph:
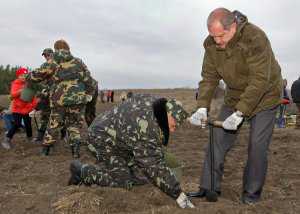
{"type": "Point", "coordinates": [221, 26]}
{"type": "Point", "coordinates": [221, 16]}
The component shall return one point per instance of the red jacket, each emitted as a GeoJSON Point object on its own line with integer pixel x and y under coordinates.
{"type": "Point", "coordinates": [18, 105]}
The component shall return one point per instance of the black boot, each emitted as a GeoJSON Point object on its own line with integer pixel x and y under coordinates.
{"type": "Point", "coordinates": [76, 150]}
{"type": "Point", "coordinates": [46, 150]}
{"type": "Point", "coordinates": [203, 193]}
{"type": "Point", "coordinates": [75, 169]}
{"type": "Point", "coordinates": [199, 194]}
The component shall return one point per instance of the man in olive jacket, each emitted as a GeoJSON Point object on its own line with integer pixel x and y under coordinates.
{"type": "Point", "coordinates": [240, 54]}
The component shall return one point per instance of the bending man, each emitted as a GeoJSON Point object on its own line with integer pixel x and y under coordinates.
{"type": "Point", "coordinates": [239, 53]}
{"type": "Point", "coordinates": [127, 142]}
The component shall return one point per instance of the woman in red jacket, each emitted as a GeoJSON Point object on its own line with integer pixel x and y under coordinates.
{"type": "Point", "coordinates": [20, 109]}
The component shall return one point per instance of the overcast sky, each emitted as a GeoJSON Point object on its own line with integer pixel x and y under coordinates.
{"type": "Point", "coordinates": [139, 43]}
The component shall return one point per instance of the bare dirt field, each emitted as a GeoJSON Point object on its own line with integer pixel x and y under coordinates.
{"type": "Point", "coordinates": [30, 183]}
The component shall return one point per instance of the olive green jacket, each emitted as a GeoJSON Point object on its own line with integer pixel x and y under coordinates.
{"type": "Point", "coordinates": [248, 67]}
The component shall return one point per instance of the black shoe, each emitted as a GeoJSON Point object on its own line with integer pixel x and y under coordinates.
{"type": "Point", "coordinates": [199, 194]}
{"type": "Point", "coordinates": [75, 169]}
{"type": "Point", "coordinates": [211, 196]}
{"type": "Point", "coordinates": [46, 150]}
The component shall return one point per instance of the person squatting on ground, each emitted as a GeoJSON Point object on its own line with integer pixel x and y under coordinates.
{"type": "Point", "coordinates": [44, 104]}
{"type": "Point", "coordinates": [127, 143]}
{"type": "Point", "coordinates": [20, 109]}
{"type": "Point", "coordinates": [295, 92]}
{"type": "Point", "coordinates": [71, 91]}
{"type": "Point", "coordinates": [239, 53]}
{"type": "Point", "coordinates": [280, 119]}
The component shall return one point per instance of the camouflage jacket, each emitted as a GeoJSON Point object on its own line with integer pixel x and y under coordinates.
{"type": "Point", "coordinates": [94, 83]}
{"type": "Point", "coordinates": [134, 131]}
{"type": "Point", "coordinates": [248, 67]}
{"type": "Point", "coordinates": [71, 83]}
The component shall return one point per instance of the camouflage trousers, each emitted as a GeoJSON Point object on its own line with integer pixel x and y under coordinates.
{"type": "Point", "coordinates": [44, 119]}
{"type": "Point", "coordinates": [71, 117]}
{"type": "Point", "coordinates": [117, 167]}
{"type": "Point", "coordinates": [112, 166]}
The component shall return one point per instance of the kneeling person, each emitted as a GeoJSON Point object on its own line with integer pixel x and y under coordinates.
{"type": "Point", "coordinates": [127, 141]}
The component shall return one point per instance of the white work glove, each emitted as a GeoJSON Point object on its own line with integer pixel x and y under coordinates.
{"type": "Point", "coordinates": [89, 98]}
{"type": "Point", "coordinates": [199, 118]}
{"type": "Point", "coordinates": [233, 121]}
{"type": "Point", "coordinates": [184, 202]}
{"type": "Point", "coordinates": [32, 113]}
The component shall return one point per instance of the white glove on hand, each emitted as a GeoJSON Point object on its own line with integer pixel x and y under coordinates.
{"type": "Point", "coordinates": [199, 117]}
{"type": "Point", "coordinates": [233, 121]}
{"type": "Point", "coordinates": [184, 202]}
{"type": "Point", "coordinates": [32, 113]}
{"type": "Point", "coordinates": [89, 98]}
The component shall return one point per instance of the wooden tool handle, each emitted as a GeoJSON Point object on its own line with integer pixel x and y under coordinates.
{"type": "Point", "coordinates": [216, 123]}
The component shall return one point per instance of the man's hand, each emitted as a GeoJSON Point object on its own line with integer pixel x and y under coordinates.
{"type": "Point", "coordinates": [89, 98]}
{"type": "Point", "coordinates": [233, 121]}
{"type": "Point", "coordinates": [199, 118]}
{"type": "Point", "coordinates": [184, 202]}
{"type": "Point", "coordinates": [32, 113]}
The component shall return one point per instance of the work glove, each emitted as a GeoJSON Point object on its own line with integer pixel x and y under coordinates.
{"type": "Point", "coordinates": [184, 202]}
{"type": "Point", "coordinates": [89, 98]}
{"type": "Point", "coordinates": [32, 113]}
{"type": "Point", "coordinates": [199, 118]}
{"type": "Point", "coordinates": [233, 121]}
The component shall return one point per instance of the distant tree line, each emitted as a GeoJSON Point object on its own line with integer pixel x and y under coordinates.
{"type": "Point", "coordinates": [7, 75]}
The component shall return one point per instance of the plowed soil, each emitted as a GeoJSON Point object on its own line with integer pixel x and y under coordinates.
{"type": "Point", "coordinates": [30, 183]}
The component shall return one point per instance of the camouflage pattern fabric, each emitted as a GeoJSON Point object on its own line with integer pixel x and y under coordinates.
{"type": "Point", "coordinates": [90, 111]}
{"type": "Point", "coordinates": [47, 51]}
{"type": "Point", "coordinates": [174, 107]}
{"type": "Point", "coordinates": [71, 117]}
{"type": "Point", "coordinates": [127, 137]}
{"type": "Point", "coordinates": [71, 82]}
{"type": "Point", "coordinates": [44, 119]}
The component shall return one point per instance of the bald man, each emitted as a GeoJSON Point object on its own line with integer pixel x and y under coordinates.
{"type": "Point", "coordinates": [240, 54]}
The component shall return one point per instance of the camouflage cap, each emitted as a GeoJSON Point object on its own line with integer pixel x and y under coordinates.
{"type": "Point", "coordinates": [177, 111]}
{"type": "Point", "coordinates": [47, 51]}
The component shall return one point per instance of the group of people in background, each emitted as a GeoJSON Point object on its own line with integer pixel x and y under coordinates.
{"type": "Point", "coordinates": [107, 96]}
{"type": "Point", "coordinates": [67, 99]}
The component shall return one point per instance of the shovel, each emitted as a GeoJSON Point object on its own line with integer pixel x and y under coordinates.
{"type": "Point", "coordinates": [211, 195]}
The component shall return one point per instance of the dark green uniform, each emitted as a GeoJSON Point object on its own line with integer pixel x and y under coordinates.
{"type": "Point", "coordinates": [90, 110]}
{"type": "Point", "coordinates": [69, 93]}
{"type": "Point", "coordinates": [127, 139]}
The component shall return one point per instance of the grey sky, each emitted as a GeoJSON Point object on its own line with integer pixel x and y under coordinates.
{"type": "Point", "coordinates": [138, 43]}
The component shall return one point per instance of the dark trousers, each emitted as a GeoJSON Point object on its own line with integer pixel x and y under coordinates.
{"type": "Point", "coordinates": [261, 129]}
{"type": "Point", "coordinates": [18, 123]}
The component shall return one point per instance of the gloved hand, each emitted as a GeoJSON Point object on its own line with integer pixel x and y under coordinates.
{"type": "Point", "coordinates": [32, 113]}
{"type": "Point", "coordinates": [233, 121]}
{"type": "Point", "coordinates": [184, 202]}
{"type": "Point", "coordinates": [89, 98]}
{"type": "Point", "coordinates": [199, 118]}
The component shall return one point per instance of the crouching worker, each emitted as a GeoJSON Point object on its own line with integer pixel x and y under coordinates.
{"type": "Point", "coordinates": [128, 141]}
